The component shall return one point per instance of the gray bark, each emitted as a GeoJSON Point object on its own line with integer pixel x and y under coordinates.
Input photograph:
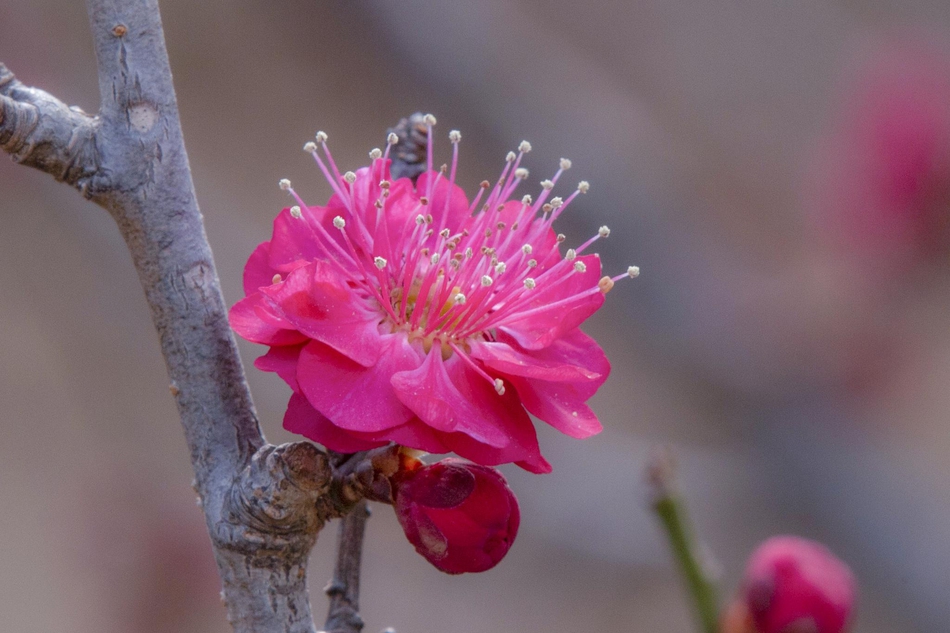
{"type": "Point", "coordinates": [264, 505]}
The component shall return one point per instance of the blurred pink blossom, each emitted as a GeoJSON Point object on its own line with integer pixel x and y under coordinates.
{"type": "Point", "coordinates": [881, 178]}
{"type": "Point", "coordinates": [793, 585]}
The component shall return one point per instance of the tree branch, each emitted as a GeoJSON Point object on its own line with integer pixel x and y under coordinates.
{"type": "Point", "coordinates": [263, 504]}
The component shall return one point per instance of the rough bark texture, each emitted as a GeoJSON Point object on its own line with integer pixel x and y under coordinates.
{"type": "Point", "coordinates": [264, 505]}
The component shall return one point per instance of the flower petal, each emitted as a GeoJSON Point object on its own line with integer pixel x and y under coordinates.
{"type": "Point", "coordinates": [560, 404]}
{"type": "Point", "coordinates": [282, 360]}
{"type": "Point", "coordinates": [429, 391]}
{"type": "Point", "coordinates": [355, 397]}
{"type": "Point", "coordinates": [568, 359]}
{"type": "Point", "coordinates": [318, 302]}
{"type": "Point", "coordinates": [554, 382]}
{"type": "Point", "coordinates": [545, 319]}
{"type": "Point", "coordinates": [258, 271]}
{"type": "Point", "coordinates": [448, 203]}
{"type": "Point", "coordinates": [253, 319]}
{"type": "Point", "coordinates": [413, 434]}
{"type": "Point", "coordinates": [303, 419]}
{"type": "Point", "coordinates": [293, 243]}
{"type": "Point", "coordinates": [504, 411]}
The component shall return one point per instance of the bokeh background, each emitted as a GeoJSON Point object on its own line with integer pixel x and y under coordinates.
{"type": "Point", "coordinates": [779, 170]}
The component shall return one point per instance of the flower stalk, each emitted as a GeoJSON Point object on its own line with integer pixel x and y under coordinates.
{"type": "Point", "coordinates": [671, 510]}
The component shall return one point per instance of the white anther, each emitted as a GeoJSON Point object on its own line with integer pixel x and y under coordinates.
{"type": "Point", "coordinates": [583, 186]}
{"type": "Point", "coordinates": [295, 212]}
{"type": "Point", "coordinates": [570, 254]}
{"type": "Point", "coordinates": [455, 136]}
{"type": "Point", "coordinates": [521, 173]}
{"type": "Point", "coordinates": [526, 249]}
{"type": "Point", "coordinates": [434, 259]}
{"type": "Point", "coordinates": [527, 199]}
{"type": "Point", "coordinates": [633, 271]}
{"type": "Point", "coordinates": [469, 252]}
{"type": "Point", "coordinates": [605, 284]}
{"type": "Point", "coordinates": [277, 279]}
{"type": "Point", "coordinates": [392, 139]}
{"type": "Point", "coordinates": [380, 262]}
{"type": "Point", "coordinates": [444, 234]}
{"type": "Point", "coordinates": [604, 231]}
{"type": "Point", "coordinates": [429, 119]}
{"type": "Point", "coordinates": [375, 153]}
{"type": "Point", "coordinates": [547, 185]}
{"type": "Point", "coordinates": [557, 202]}
{"type": "Point", "coordinates": [284, 184]}
{"type": "Point", "coordinates": [510, 157]}
{"type": "Point", "coordinates": [580, 266]}
{"type": "Point", "coordinates": [384, 184]}
{"type": "Point", "coordinates": [500, 386]}
{"type": "Point", "coordinates": [530, 283]}
{"type": "Point", "coordinates": [310, 147]}
{"type": "Point", "coordinates": [486, 280]}
{"type": "Point", "coordinates": [500, 267]}
{"type": "Point", "coordinates": [561, 237]}
{"type": "Point", "coordinates": [565, 164]}
{"type": "Point", "coordinates": [339, 222]}
{"type": "Point", "coordinates": [460, 299]}
{"type": "Point", "coordinates": [349, 177]}
{"type": "Point", "coordinates": [524, 146]}
{"type": "Point", "coordinates": [420, 219]}
{"type": "Point", "coordinates": [532, 263]}
{"type": "Point", "coordinates": [322, 137]}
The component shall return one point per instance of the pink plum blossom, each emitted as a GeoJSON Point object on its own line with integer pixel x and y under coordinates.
{"type": "Point", "coordinates": [461, 517]}
{"type": "Point", "coordinates": [407, 313]}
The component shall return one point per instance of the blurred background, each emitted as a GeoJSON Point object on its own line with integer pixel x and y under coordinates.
{"type": "Point", "coordinates": [779, 170]}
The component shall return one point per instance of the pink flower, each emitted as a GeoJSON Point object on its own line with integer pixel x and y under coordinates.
{"type": "Point", "coordinates": [406, 313]}
{"type": "Point", "coordinates": [793, 582]}
{"type": "Point", "coordinates": [461, 517]}
{"type": "Point", "coordinates": [881, 178]}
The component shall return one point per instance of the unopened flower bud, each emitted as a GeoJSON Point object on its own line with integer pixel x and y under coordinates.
{"type": "Point", "coordinates": [461, 517]}
{"type": "Point", "coordinates": [793, 584]}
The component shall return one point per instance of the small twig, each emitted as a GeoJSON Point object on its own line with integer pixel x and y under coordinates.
{"type": "Point", "coordinates": [671, 510]}
{"type": "Point", "coordinates": [344, 589]}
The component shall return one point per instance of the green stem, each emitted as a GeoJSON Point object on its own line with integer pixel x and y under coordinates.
{"type": "Point", "coordinates": [671, 510]}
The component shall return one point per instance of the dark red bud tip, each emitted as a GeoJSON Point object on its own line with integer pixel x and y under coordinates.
{"type": "Point", "coordinates": [461, 517]}
{"type": "Point", "coordinates": [793, 584]}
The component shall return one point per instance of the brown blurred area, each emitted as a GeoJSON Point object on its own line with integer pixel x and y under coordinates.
{"type": "Point", "coordinates": [800, 380]}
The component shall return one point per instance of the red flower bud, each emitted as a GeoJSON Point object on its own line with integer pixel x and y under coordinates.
{"type": "Point", "coordinates": [795, 585]}
{"type": "Point", "coordinates": [461, 517]}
